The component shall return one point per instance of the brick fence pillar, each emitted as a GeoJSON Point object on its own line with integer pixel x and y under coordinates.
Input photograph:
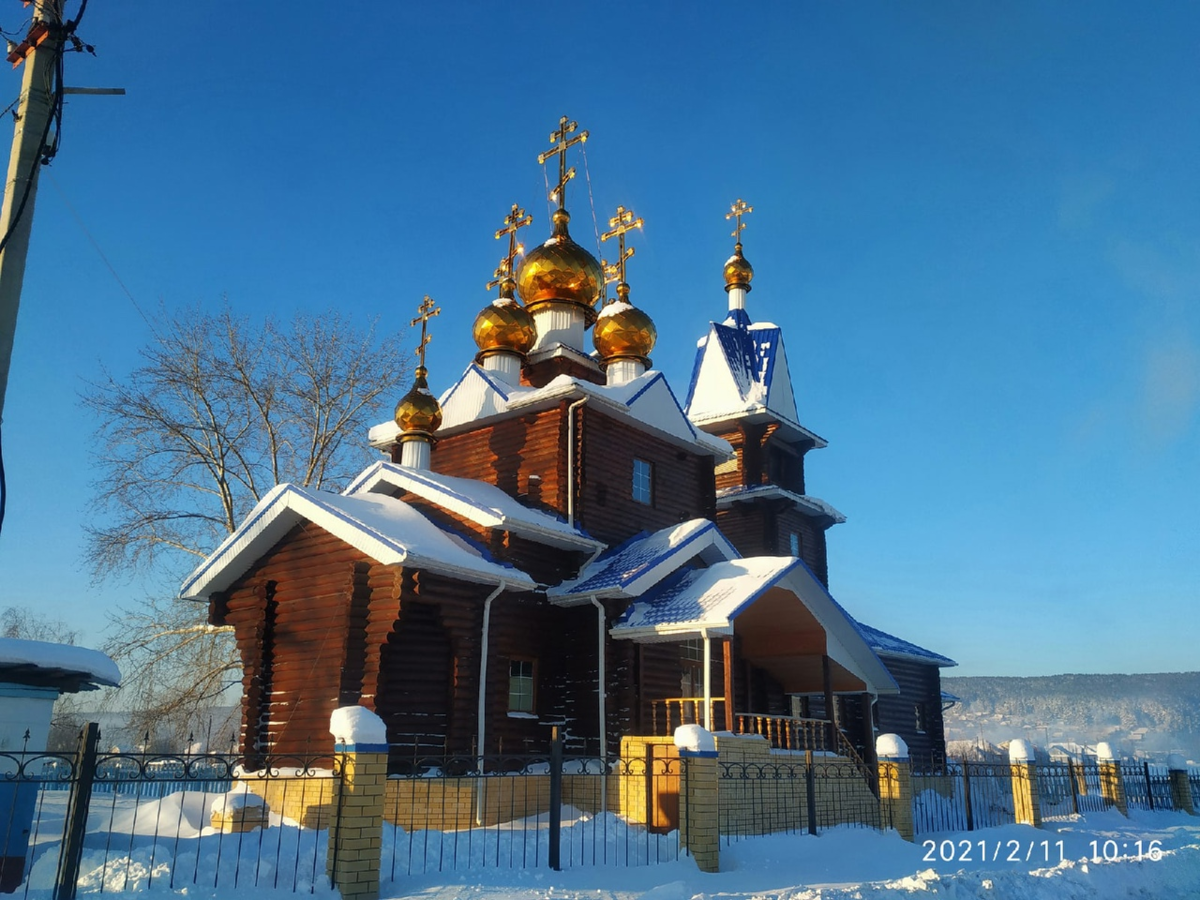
{"type": "Point", "coordinates": [1027, 802]}
{"type": "Point", "coordinates": [1112, 782]}
{"type": "Point", "coordinates": [356, 831]}
{"type": "Point", "coordinates": [699, 807]}
{"type": "Point", "coordinates": [1181, 788]}
{"type": "Point", "coordinates": [895, 784]}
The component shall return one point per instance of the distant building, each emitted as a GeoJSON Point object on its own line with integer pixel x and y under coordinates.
{"type": "Point", "coordinates": [558, 541]}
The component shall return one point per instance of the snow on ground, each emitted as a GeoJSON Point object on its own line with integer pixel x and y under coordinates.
{"type": "Point", "coordinates": [122, 855]}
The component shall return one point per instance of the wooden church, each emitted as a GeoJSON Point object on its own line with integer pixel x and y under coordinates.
{"type": "Point", "coordinates": [557, 541]}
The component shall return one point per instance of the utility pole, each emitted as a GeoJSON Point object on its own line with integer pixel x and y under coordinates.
{"type": "Point", "coordinates": [40, 52]}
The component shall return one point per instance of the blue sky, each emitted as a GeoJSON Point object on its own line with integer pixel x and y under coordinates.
{"type": "Point", "coordinates": [979, 226]}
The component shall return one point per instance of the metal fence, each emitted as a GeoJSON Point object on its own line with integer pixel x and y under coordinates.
{"type": "Point", "coordinates": [951, 795]}
{"type": "Point", "coordinates": [792, 794]}
{"type": "Point", "coordinates": [446, 814]}
{"type": "Point", "coordinates": [103, 823]}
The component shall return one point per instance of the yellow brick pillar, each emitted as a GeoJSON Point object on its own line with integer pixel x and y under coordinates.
{"type": "Point", "coordinates": [699, 807]}
{"type": "Point", "coordinates": [1027, 802]}
{"type": "Point", "coordinates": [1181, 788]}
{"type": "Point", "coordinates": [1112, 782]}
{"type": "Point", "coordinates": [356, 830]}
{"type": "Point", "coordinates": [895, 784]}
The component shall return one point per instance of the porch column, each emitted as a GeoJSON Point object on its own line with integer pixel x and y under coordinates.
{"type": "Point", "coordinates": [707, 681]}
{"type": "Point", "coordinates": [831, 726]}
{"type": "Point", "coordinates": [869, 755]}
{"type": "Point", "coordinates": [728, 653]}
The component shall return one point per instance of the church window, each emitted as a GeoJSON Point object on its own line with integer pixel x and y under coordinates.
{"type": "Point", "coordinates": [922, 718]}
{"type": "Point", "coordinates": [643, 481]}
{"type": "Point", "coordinates": [794, 544]}
{"type": "Point", "coordinates": [520, 685]}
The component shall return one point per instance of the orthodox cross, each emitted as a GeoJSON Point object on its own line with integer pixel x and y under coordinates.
{"type": "Point", "coordinates": [736, 211]}
{"type": "Point", "coordinates": [427, 311]}
{"type": "Point", "coordinates": [514, 220]}
{"type": "Point", "coordinates": [621, 223]}
{"type": "Point", "coordinates": [561, 143]}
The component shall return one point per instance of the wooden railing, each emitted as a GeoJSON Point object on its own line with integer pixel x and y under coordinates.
{"type": "Point", "coordinates": [671, 712]}
{"type": "Point", "coordinates": [786, 732]}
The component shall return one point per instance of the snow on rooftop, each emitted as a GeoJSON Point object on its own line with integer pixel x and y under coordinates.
{"type": "Point", "coordinates": [700, 598]}
{"type": "Point", "coordinates": [384, 528]}
{"type": "Point", "coordinates": [726, 497]}
{"type": "Point", "coordinates": [647, 402]}
{"type": "Point", "coordinates": [889, 645]}
{"type": "Point", "coordinates": [475, 500]}
{"type": "Point", "coordinates": [741, 370]}
{"type": "Point", "coordinates": [49, 659]}
{"type": "Point", "coordinates": [645, 559]}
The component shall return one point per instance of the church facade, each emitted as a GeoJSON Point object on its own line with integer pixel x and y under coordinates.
{"type": "Point", "coordinates": [557, 540]}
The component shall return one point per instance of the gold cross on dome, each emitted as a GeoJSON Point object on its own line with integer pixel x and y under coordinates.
{"type": "Point", "coordinates": [561, 143]}
{"type": "Point", "coordinates": [514, 220]}
{"type": "Point", "coordinates": [427, 311]}
{"type": "Point", "coordinates": [738, 210]}
{"type": "Point", "coordinates": [502, 273]}
{"type": "Point", "coordinates": [621, 223]}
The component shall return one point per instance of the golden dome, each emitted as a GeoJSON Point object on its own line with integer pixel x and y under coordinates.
{"type": "Point", "coordinates": [624, 332]}
{"type": "Point", "coordinates": [738, 271]}
{"type": "Point", "coordinates": [504, 324]}
{"type": "Point", "coordinates": [418, 410]}
{"type": "Point", "coordinates": [560, 270]}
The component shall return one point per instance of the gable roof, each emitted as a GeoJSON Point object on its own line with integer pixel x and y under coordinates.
{"type": "Point", "coordinates": [741, 371]}
{"type": "Point", "coordinates": [382, 527]}
{"type": "Point", "coordinates": [813, 506]}
{"type": "Point", "coordinates": [708, 600]}
{"type": "Point", "coordinates": [478, 501]}
{"type": "Point", "coordinates": [644, 560]}
{"type": "Point", "coordinates": [646, 402]}
{"type": "Point", "coordinates": [889, 645]}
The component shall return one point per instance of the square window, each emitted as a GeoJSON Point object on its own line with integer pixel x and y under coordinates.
{"type": "Point", "coordinates": [520, 685]}
{"type": "Point", "coordinates": [643, 481]}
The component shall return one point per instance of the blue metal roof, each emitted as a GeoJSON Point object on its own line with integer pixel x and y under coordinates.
{"type": "Point", "coordinates": [882, 642]}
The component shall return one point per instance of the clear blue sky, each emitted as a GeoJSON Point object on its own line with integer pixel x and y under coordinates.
{"type": "Point", "coordinates": [978, 224]}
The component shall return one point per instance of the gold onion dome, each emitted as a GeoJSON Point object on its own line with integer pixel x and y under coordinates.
{"type": "Point", "coordinates": [738, 271]}
{"type": "Point", "coordinates": [560, 270]}
{"type": "Point", "coordinates": [418, 410]}
{"type": "Point", "coordinates": [504, 324]}
{"type": "Point", "coordinates": [623, 331]}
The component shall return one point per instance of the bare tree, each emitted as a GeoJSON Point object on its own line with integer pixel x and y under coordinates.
{"type": "Point", "coordinates": [218, 413]}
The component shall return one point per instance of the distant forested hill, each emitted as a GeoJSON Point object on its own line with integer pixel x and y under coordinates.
{"type": "Point", "coordinates": [1153, 713]}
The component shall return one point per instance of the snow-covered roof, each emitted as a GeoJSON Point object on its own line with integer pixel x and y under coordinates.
{"type": "Point", "coordinates": [741, 372]}
{"type": "Point", "coordinates": [813, 506]}
{"type": "Point", "coordinates": [646, 402]}
{"type": "Point", "coordinates": [477, 501]}
{"type": "Point", "coordinates": [644, 560]}
{"type": "Point", "coordinates": [696, 601]}
{"type": "Point", "coordinates": [889, 645]}
{"type": "Point", "coordinates": [382, 527]}
{"type": "Point", "coordinates": [64, 666]}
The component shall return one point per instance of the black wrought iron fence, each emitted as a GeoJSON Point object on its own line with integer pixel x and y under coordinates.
{"type": "Point", "coordinates": [454, 813]}
{"type": "Point", "coordinates": [961, 795]}
{"type": "Point", "coordinates": [99, 823]}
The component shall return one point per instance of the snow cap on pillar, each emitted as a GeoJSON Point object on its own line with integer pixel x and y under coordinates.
{"type": "Point", "coordinates": [418, 413]}
{"type": "Point", "coordinates": [1104, 751]}
{"type": "Point", "coordinates": [1020, 751]}
{"type": "Point", "coordinates": [891, 746]}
